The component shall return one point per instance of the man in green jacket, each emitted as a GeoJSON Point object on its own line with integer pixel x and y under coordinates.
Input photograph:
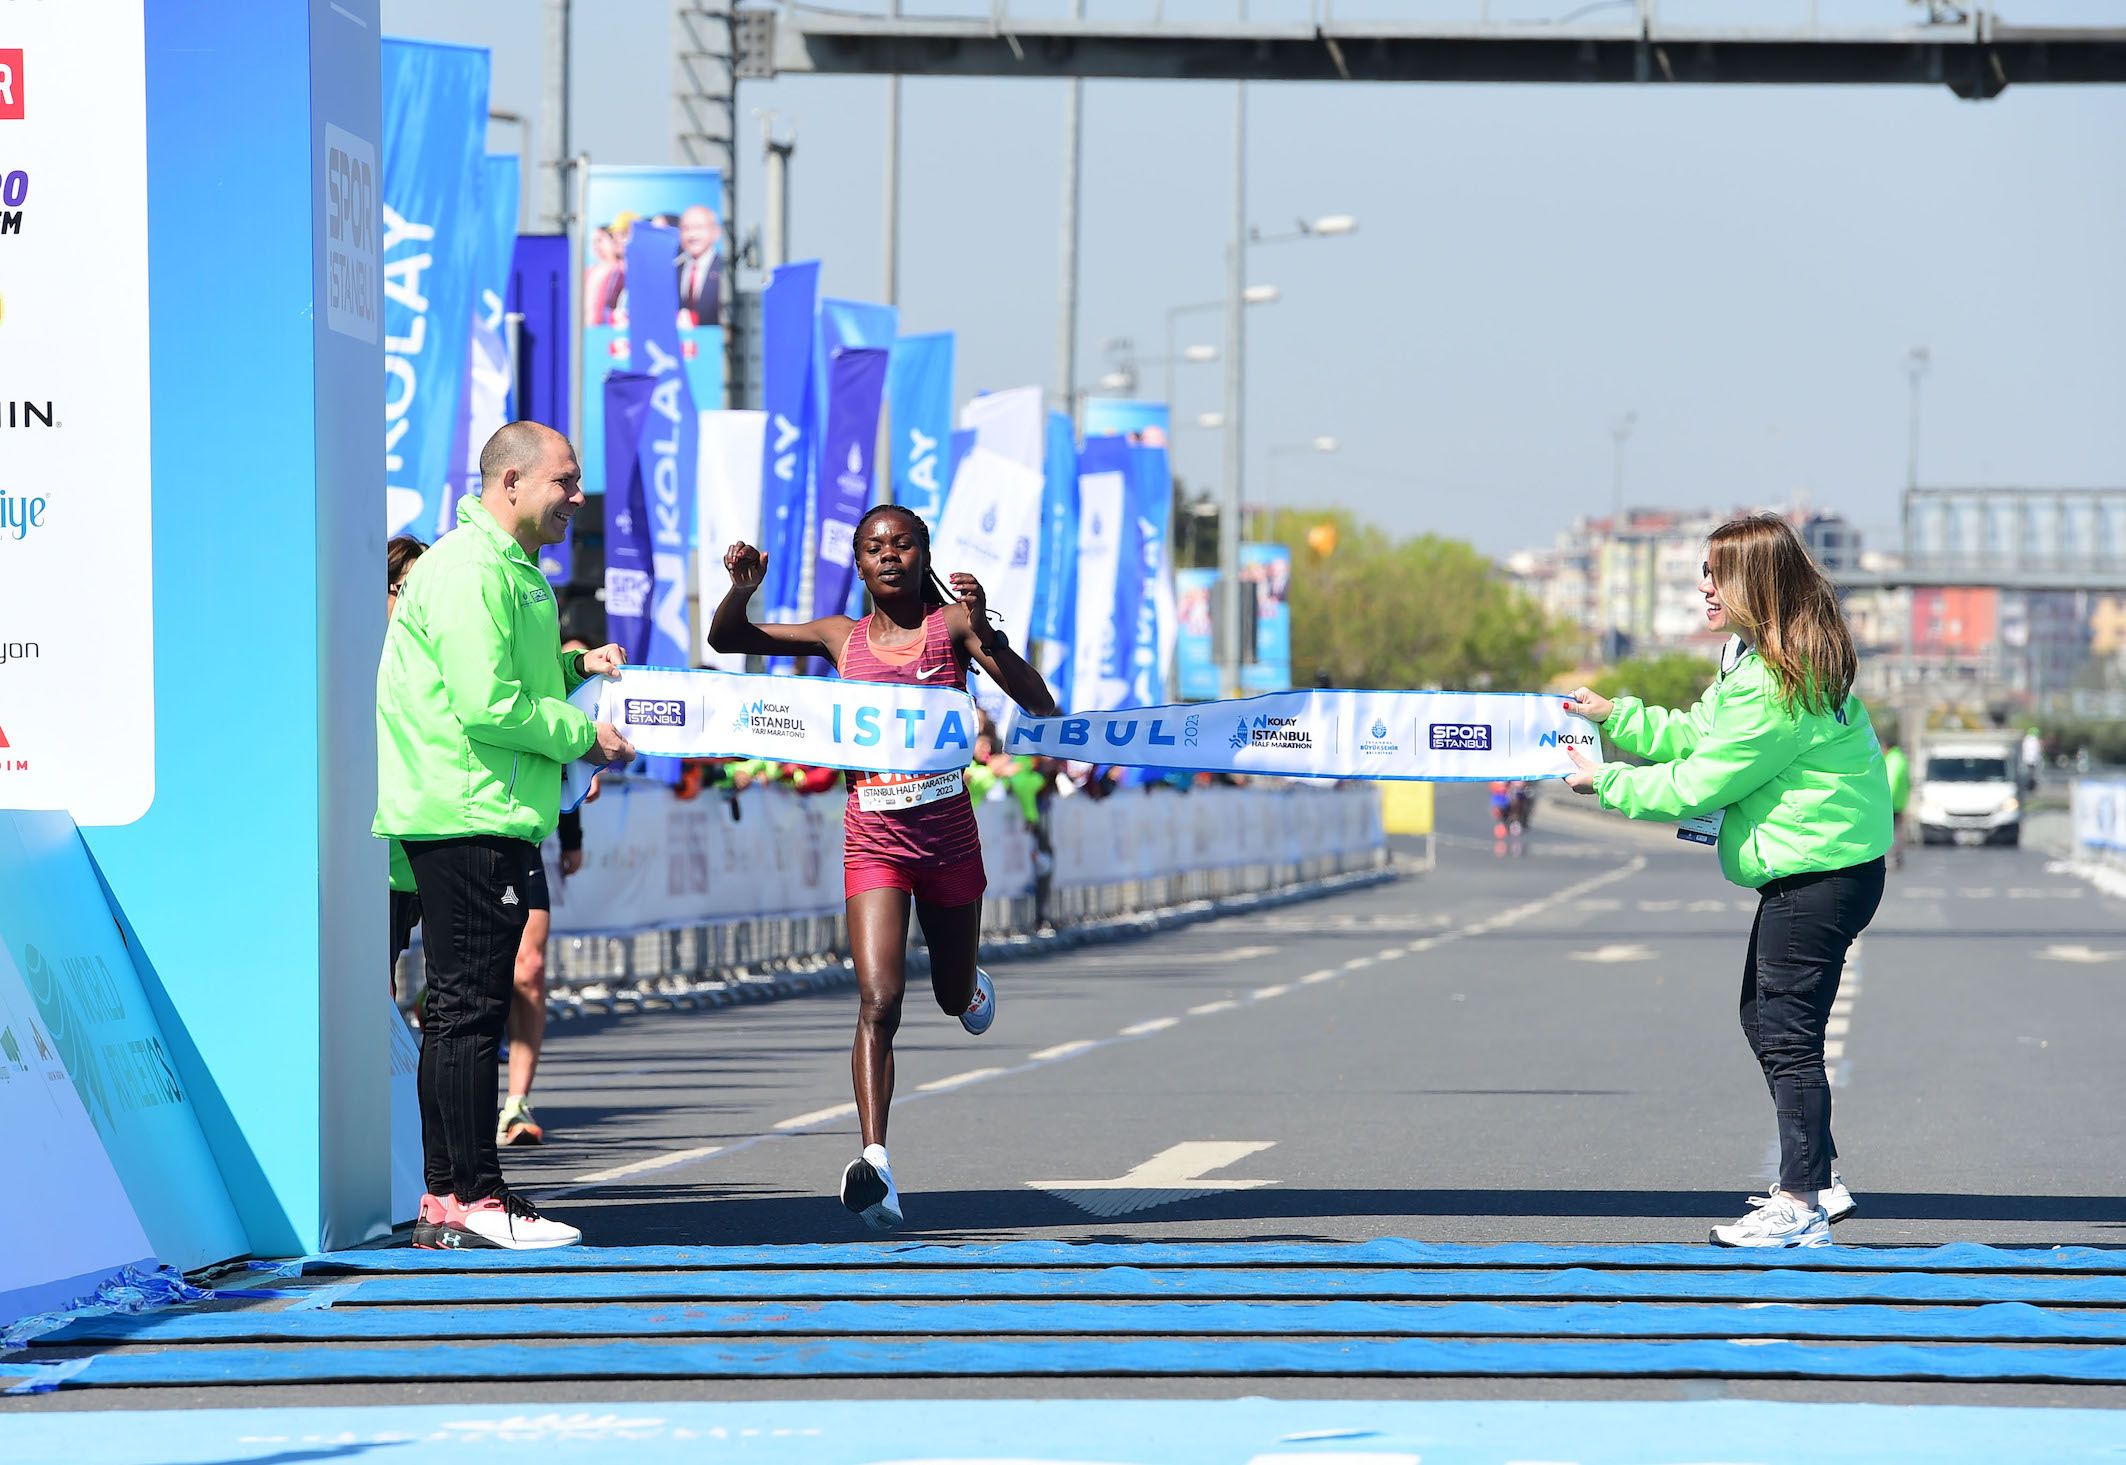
{"type": "Point", "coordinates": [473, 727]}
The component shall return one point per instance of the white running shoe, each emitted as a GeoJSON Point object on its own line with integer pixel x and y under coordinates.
{"type": "Point", "coordinates": [1779, 1222]}
{"type": "Point", "coordinates": [869, 1191]}
{"type": "Point", "coordinates": [510, 1222]}
{"type": "Point", "coordinates": [1837, 1202]}
{"type": "Point", "coordinates": [982, 1011]}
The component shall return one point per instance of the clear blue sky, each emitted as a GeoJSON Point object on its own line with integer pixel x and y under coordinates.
{"type": "Point", "coordinates": [1743, 268]}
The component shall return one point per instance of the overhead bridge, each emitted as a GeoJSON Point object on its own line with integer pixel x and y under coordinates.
{"type": "Point", "coordinates": [1976, 54]}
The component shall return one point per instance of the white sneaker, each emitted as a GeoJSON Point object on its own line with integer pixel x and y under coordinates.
{"type": "Point", "coordinates": [982, 1011]}
{"type": "Point", "coordinates": [513, 1223]}
{"type": "Point", "coordinates": [1837, 1202]}
{"type": "Point", "coordinates": [869, 1191]}
{"type": "Point", "coordinates": [1780, 1222]}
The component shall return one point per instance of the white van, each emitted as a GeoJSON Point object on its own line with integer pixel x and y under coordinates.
{"type": "Point", "coordinates": [1968, 790]}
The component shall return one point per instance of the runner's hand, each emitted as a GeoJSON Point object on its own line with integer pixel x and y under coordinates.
{"type": "Point", "coordinates": [975, 598]}
{"type": "Point", "coordinates": [605, 661]}
{"type": "Point", "coordinates": [610, 747]}
{"type": "Point", "coordinates": [1581, 782]}
{"type": "Point", "coordinates": [571, 861]}
{"type": "Point", "coordinates": [1590, 704]}
{"type": "Point", "coordinates": [746, 565]}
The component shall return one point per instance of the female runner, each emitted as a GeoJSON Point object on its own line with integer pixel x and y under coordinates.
{"type": "Point", "coordinates": [907, 837]}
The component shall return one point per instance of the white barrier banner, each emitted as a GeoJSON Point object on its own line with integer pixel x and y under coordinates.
{"type": "Point", "coordinates": [889, 727]}
{"type": "Point", "coordinates": [2100, 814]}
{"type": "Point", "coordinates": [1157, 833]}
{"type": "Point", "coordinates": [651, 861]}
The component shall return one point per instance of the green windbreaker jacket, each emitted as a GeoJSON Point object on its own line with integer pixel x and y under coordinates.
{"type": "Point", "coordinates": [472, 721]}
{"type": "Point", "coordinates": [1803, 791]}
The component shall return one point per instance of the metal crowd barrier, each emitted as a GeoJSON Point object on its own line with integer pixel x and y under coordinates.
{"type": "Point", "coordinates": [676, 966]}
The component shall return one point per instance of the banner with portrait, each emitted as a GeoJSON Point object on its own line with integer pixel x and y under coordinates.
{"type": "Point", "coordinates": [688, 201]}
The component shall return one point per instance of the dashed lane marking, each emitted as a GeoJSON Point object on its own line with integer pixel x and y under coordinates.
{"type": "Point", "coordinates": [1262, 994]}
{"type": "Point", "coordinates": [972, 1075]}
{"type": "Point", "coordinates": [1063, 1050]}
{"type": "Point", "coordinates": [788, 1128]}
{"type": "Point", "coordinates": [1326, 974]}
{"type": "Point", "coordinates": [1205, 1009]}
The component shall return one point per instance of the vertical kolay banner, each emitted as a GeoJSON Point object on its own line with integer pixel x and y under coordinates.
{"type": "Point", "coordinates": [1144, 425]}
{"type": "Point", "coordinates": [1195, 616]}
{"type": "Point", "coordinates": [844, 325]}
{"type": "Point", "coordinates": [919, 387]}
{"type": "Point", "coordinates": [435, 131]}
{"type": "Point", "coordinates": [538, 294]}
{"type": "Point", "coordinates": [855, 379]}
{"type": "Point", "coordinates": [1098, 657]}
{"type": "Point", "coordinates": [1056, 604]}
{"type": "Point", "coordinates": [690, 201]}
{"type": "Point", "coordinates": [788, 311]}
{"type": "Point", "coordinates": [630, 561]}
{"type": "Point", "coordinates": [485, 403]}
{"type": "Point", "coordinates": [667, 450]}
{"type": "Point", "coordinates": [77, 655]}
{"type": "Point", "coordinates": [1266, 582]}
{"type": "Point", "coordinates": [728, 505]}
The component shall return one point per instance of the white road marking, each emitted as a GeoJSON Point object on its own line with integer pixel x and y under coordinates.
{"type": "Point", "coordinates": [1843, 1007]}
{"type": "Point", "coordinates": [1833, 1049]}
{"type": "Point", "coordinates": [1707, 905]}
{"type": "Point", "coordinates": [1207, 1008]}
{"type": "Point", "coordinates": [1925, 892]}
{"type": "Point", "coordinates": [1389, 955]}
{"type": "Point", "coordinates": [1358, 963]}
{"type": "Point", "coordinates": [642, 1167]}
{"type": "Point", "coordinates": [972, 1075]}
{"type": "Point", "coordinates": [1149, 1025]}
{"type": "Point", "coordinates": [1175, 1173]}
{"type": "Point", "coordinates": [1615, 952]}
{"type": "Point", "coordinates": [817, 1116]}
{"type": "Point", "coordinates": [1277, 990]}
{"type": "Point", "coordinates": [1597, 907]}
{"type": "Point", "coordinates": [1313, 978]}
{"type": "Point", "coordinates": [1838, 1027]}
{"type": "Point", "coordinates": [1976, 892]}
{"type": "Point", "coordinates": [2088, 955]}
{"type": "Point", "coordinates": [1205, 958]}
{"type": "Point", "coordinates": [1660, 905]}
{"type": "Point", "coordinates": [1062, 1050]}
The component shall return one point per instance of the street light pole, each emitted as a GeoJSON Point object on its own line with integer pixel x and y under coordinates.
{"type": "Point", "coordinates": [892, 223]}
{"type": "Point", "coordinates": [1235, 386]}
{"type": "Point", "coordinates": [1917, 360]}
{"type": "Point", "coordinates": [1620, 433]}
{"type": "Point", "coordinates": [1067, 326]}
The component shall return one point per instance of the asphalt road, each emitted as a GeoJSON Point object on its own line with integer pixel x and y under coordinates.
{"type": "Point", "coordinates": [1535, 1048]}
{"type": "Point", "coordinates": [1533, 1045]}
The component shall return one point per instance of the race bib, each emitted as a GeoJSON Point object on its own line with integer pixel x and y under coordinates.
{"type": "Point", "coordinates": [886, 791]}
{"type": "Point", "coordinates": [1702, 828]}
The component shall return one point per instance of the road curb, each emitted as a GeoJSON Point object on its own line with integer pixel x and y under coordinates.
{"type": "Point", "coordinates": [831, 974]}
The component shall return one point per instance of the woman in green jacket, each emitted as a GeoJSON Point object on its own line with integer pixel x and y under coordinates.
{"type": "Point", "coordinates": [1777, 766]}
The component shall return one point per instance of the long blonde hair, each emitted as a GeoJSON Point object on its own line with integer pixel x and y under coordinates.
{"type": "Point", "coordinates": [1785, 608]}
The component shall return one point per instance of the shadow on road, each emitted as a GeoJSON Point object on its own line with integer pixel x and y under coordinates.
{"type": "Point", "coordinates": [648, 1214]}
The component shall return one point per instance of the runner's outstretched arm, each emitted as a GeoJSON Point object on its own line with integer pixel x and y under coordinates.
{"type": "Point", "coordinates": [732, 632]}
{"type": "Point", "coordinates": [969, 623]}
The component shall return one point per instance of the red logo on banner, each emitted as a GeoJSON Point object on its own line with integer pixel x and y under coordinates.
{"type": "Point", "coordinates": [3, 737]}
{"type": "Point", "coordinates": [10, 84]}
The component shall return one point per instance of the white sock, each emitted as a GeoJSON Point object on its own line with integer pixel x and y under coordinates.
{"type": "Point", "coordinates": [875, 1157]}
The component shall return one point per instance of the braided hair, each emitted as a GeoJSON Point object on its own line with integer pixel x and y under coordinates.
{"type": "Point", "coordinates": [934, 591]}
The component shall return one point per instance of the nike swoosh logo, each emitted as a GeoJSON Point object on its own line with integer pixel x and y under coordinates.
{"type": "Point", "coordinates": [935, 671]}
